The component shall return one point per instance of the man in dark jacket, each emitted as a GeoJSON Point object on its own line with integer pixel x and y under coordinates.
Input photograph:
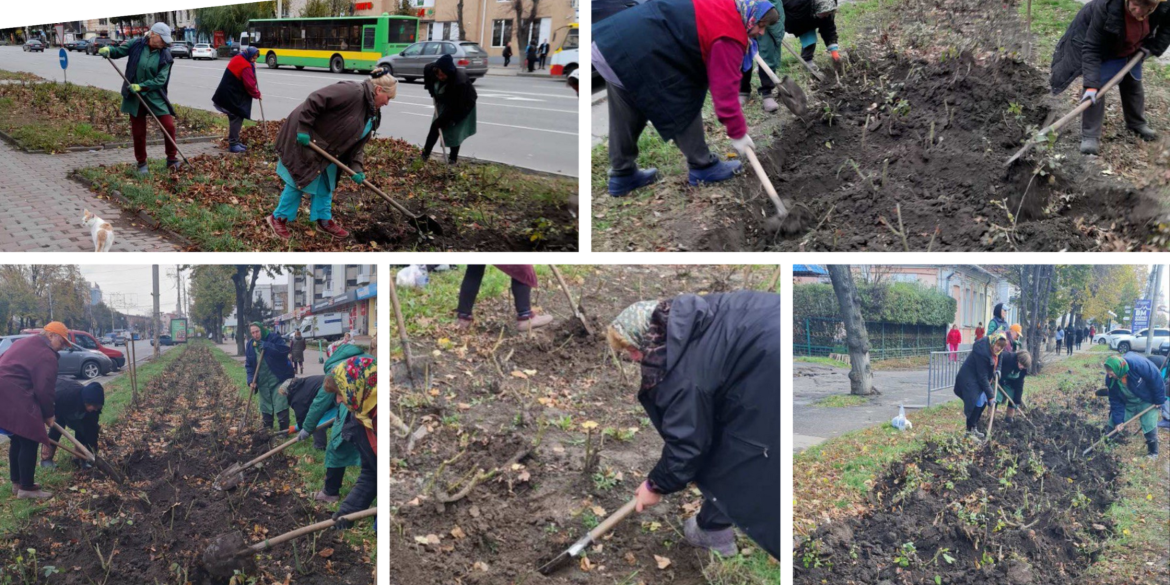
{"type": "Point", "coordinates": [542, 53]}
{"type": "Point", "coordinates": [973, 383]}
{"type": "Point", "coordinates": [296, 352]}
{"type": "Point", "coordinates": [711, 387]}
{"type": "Point", "coordinates": [805, 18]}
{"type": "Point", "coordinates": [340, 119]}
{"type": "Point", "coordinates": [1134, 384]}
{"type": "Point", "coordinates": [28, 381]}
{"type": "Point", "coordinates": [507, 54]}
{"type": "Point", "coordinates": [1102, 37]}
{"type": "Point", "coordinates": [530, 56]}
{"type": "Point", "coordinates": [454, 99]}
{"type": "Point", "coordinates": [237, 88]}
{"type": "Point", "coordinates": [148, 68]}
{"type": "Point", "coordinates": [78, 409]}
{"type": "Point", "coordinates": [300, 393]}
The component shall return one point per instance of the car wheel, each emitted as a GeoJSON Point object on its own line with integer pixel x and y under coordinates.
{"type": "Point", "coordinates": [1123, 347]}
{"type": "Point", "coordinates": [271, 61]}
{"type": "Point", "coordinates": [337, 64]}
{"type": "Point", "coordinates": [1101, 342]}
{"type": "Point", "coordinates": [409, 79]}
{"type": "Point", "coordinates": [90, 370]}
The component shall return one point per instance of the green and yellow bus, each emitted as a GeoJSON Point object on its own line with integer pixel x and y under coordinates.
{"type": "Point", "coordinates": [339, 43]}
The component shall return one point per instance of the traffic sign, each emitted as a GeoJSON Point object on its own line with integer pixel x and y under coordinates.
{"type": "Point", "coordinates": [64, 63]}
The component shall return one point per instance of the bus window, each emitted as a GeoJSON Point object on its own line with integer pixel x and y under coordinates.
{"type": "Point", "coordinates": [571, 41]}
{"type": "Point", "coordinates": [368, 38]}
{"type": "Point", "coordinates": [402, 31]}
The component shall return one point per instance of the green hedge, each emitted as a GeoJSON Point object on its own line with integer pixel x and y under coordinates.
{"type": "Point", "coordinates": [903, 303]}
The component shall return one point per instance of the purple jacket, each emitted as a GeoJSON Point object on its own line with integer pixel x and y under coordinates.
{"type": "Point", "coordinates": [28, 387]}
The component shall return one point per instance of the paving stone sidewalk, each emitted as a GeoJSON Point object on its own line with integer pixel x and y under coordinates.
{"type": "Point", "coordinates": [43, 206]}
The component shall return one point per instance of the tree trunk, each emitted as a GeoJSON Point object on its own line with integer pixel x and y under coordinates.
{"type": "Point", "coordinates": [459, 16]}
{"type": "Point", "coordinates": [856, 337]}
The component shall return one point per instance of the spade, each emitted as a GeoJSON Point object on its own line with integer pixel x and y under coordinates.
{"type": "Point", "coordinates": [85, 454]}
{"type": "Point", "coordinates": [234, 475]}
{"type": "Point", "coordinates": [577, 312]}
{"type": "Point", "coordinates": [592, 536]}
{"type": "Point", "coordinates": [228, 552]}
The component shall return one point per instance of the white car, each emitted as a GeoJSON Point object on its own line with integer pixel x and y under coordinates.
{"type": "Point", "coordinates": [1108, 337]}
{"type": "Point", "coordinates": [1126, 343]}
{"type": "Point", "coordinates": [204, 51]}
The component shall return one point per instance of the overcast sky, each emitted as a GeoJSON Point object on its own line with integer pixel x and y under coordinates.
{"type": "Point", "coordinates": [136, 283]}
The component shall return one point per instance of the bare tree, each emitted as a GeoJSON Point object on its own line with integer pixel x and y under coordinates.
{"type": "Point", "coordinates": [524, 24]}
{"type": "Point", "coordinates": [856, 337]}
{"type": "Point", "coordinates": [459, 17]}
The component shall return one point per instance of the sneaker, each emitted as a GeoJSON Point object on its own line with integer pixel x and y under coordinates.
{"type": "Point", "coordinates": [1090, 146]}
{"type": "Point", "coordinates": [1145, 132]}
{"type": "Point", "coordinates": [48, 464]}
{"type": "Point", "coordinates": [533, 322]}
{"type": "Point", "coordinates": [619, 186]}
{"type": "Point", "coordinates": [720, 541]}
{"type": "Point", "coordinates": [143, 169]}
{"type": "Point", "coordinates": [979, 433]}
{"type": "Point", "coordinates": [975, 436]}
{"type": "Point", "coordinates": [279, 227]}
{"type": "Point", "coordinates": [321, 496]}
{"type": "Point", "coordinates": [15, 489]}
{"type": "Point", "coordinates": [771, 105]}
{"type": "Point", "coordinates": [328, 226]}
{"type": "Point", "coordinates": [237, 148]}
{"type": "Point", "coordinates": [813, 66]}
{"type": "Point", "coordinates": [718, 172]}
{"type": "Point", "coordinates": [37, 494]}
{"type": "Point", "coordinates": [464, 324]}
{"type": "Point", "coordinates": [1152, 456]}
{"type": "Point", "coordinates": [173, 164]}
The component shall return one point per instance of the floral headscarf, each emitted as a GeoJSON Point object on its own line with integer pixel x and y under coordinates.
{"type": "Point", "coordinates": [357, 382]}
{"type": "Point", "coordinates": [631, 324]}
{"type": "Point", "coordinates": [994, 338]}
{"type": "Point", "coordinates": [751, 11]}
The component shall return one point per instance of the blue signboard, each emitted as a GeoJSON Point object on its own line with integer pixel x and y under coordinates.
{"type": "Point", "coordinates": [1141, 315]}
{"type": "Point", "coordinates": [64, 58]}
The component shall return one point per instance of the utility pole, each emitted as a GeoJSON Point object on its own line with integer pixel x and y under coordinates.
{"type": "Point", "coordinates": [50, 287]}
{"type": "Point", "coordinates": [1157, 276]}
{"type": "Point", "coordinates": [154, 270]}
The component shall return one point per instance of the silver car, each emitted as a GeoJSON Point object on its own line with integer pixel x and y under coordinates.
{"type": "Point", "coordinates": [408, 65]}
{"type": "Point", "coordinates": [75, 361]}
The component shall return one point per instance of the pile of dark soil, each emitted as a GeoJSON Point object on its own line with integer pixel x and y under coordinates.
{"type": "Point", "coordinates": [156, 528]}
{"type": "Point", "coordinates": [1026, 510]}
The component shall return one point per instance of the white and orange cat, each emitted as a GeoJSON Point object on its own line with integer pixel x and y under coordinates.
{"type": "Point", "coordinates": [101, 231]}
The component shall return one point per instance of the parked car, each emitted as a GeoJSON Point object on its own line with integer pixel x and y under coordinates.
{"type": "Point", "coordinates": [78, 45]}
{"type": "Point", "coordinates": [204, 51]}
{"type": "Point", "coordinates": [408, 65]}
{"type": "Point", "coordinates": [1107, 337]}
{"type": "Point", "coordinates": [1164, 350]}
{"type": "Point", "coordinates": [74, 361]}
{"type": "Point", "coordinates": [1137, 342]}
{"type": "Point", "coordinates": [163, 340]}
{"type": "Point", "coordinates": [87, 341]}
{"type": "Point", "coordinates": [96, 45]}
{"type": "Point", "coordinates": [34, 45]}
{"type": "Point", "coordinates": [180, 50]}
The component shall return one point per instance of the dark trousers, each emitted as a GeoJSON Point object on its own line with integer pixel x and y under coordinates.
{"type": "Point", "coordinates": [333, 479]}
{"type": "Point", "coordinates": [766, 85]}
{"type": "Point", "coordinates": [543, 58]}
{"type": "Point", "coordinates": [321, 439]}
{"type": "Point", "coordinates": [432, 138]}
{"type": "Point", "coordinates": [281, 417]}
{"type": "Point", "coordinates": [711, 518]}
{"type": "Point", "coordinates": [531, 65]}
{"type": "Point", "coordinates": [1152, 442]}
{"type": "Point", "coordinates": [1058, 347]}
{"type": "Point", "coordinates": [234, 125]}
{"type": "Point", "coordinates": [365, 489]}
{"type": "Point", "coordinates": [626, 123]}
{"type": "Point", "coordinates": [1133, 107]}
{"type": "Point", "coordinates": [507, 60]}
{"type": "Point", "coordinates": [973, 418]}
{"type": "Point", "coordinates": [1068, 346]}
{"type": "Point", "coordinates": [298, 366]}
{"type": "Point", "coordinates": [138, 131]}
{"type": "Point", "coordinates": [22, 461]}
{"type": "Point", "coordinates": [473, 278]}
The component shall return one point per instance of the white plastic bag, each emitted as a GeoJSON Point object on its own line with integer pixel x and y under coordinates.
{"type": "Point", "coordinates": [414, 276]}
{"type": "Point", "coordinates": [900, 422]}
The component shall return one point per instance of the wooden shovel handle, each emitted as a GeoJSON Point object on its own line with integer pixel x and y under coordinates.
{"type": "Point", "coordinates": [565, 288]}
{"type": "Point", "coordinates": [768, 188]}
{"type": "Point", "coordinates": [608, 524]}
{"type": "Point", "coordinates": [767, 69]}
{"type": "Point", "coordinates": [1114, 431]}
{"type": "Point", "coordinates": [280, 447]}
{"type": "Point", "coordinates": [287, 536]}
{"type": "Point", "coordinates": [88, 456]}
{"type": "Point", "coordinates": [67, 449]}
{"type": "Point", "coordinates": [818, 75]}
{"type": "Point", "coordinates": [369, 185]}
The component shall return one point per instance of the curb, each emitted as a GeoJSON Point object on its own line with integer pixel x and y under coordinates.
{"type": "Point", "coordinates": [109, 145]}
{"type": "Point", "coordinates": [128, 206]}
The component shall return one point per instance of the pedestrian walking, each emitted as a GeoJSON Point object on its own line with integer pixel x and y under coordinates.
{"type": "Point", "coordinates": [340, 118]}
{"type": "Point", "coordinates": [973, 384]}
{"type": "Point", "coordinates": [274, 369]}
{"type": "Point", "coordinates": [710, 385]}
{"type": "Point", "coordinates": [530, 56]}
{"type": "Point", "coordinates": [1134, 383]}
{"type": "Point", "coordinates": [296, 352]}
{"type": "Point", "coordinates": [523, 281]}
{"type": "Point", "coordinates": [979, 331]}
{"type": "Point", "coordinates": [28, 384]}
{"type": "Point", "coordinates": [954, 338]}
{"type": "Point", "coordinates": [507, 54]}
{"type": "Point", "coordinates": [1070, 337]}
{"type": "Point", "coordinates": [1059, 340]}
{"type": "Point", "coordinates": [148, 69]}
{"type": "Point", "coordinates": [1098, 43]}
{"type": "Point", "coordinates": [454, 99]}
{"type": "Point", "coordinates": [237, 88]}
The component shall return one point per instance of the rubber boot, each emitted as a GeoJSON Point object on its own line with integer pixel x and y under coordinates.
{"type": "Point", "coordinates": [1145, 132]}
{"type": "Point", "coordinates": [716, 173]}
{"type": "Point", "coordinates": [282, 418]}
{"type": "Point", "coordinates": [720, 541]}
{"type": "Point", "coordinates": [619, 186]}
{"type": "Point", "coordinates": [1152, 443]}
{"type": "Point", "coordinates": [267, 418]}
{"type": "Point", "coordinates": [1090, 145]}
{"type": "Point", "coordinates": [770, 104]}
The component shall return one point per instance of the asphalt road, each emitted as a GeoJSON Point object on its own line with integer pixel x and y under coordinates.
{"type": "Point", "coordinates": [522, 121]}
{"type": "Point", "coordinates": [143, 352]}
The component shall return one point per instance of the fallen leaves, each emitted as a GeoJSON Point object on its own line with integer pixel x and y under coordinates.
{"type": "Point", "coordinates": [458, 533]}
{"type": "Point", "coordinates": [662, 562]}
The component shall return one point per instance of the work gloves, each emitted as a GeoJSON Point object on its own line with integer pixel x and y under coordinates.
{"type": "Point", "coordinates": [301, 436]}
{"type": "Point", "coordinates": [134, 87]}
{"type": "Point", "coordinates": [359, 178]}
{"type": "Point", "coordinates": [104, 52]}
{"type": "Point", "coordinates": [1102, 392]}
{"type": "Point", "coordinates": [340, 523]}
{"type": "Point", "coordinates": [1090, 94]}
{"type": "Point", "coordinates": [834, 52]}
{"type": "Point", "coordinates": [743, 143]}
{"type": "Point", "coordinates": [303, 139]}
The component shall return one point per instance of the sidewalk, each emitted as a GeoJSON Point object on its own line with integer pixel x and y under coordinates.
{"type": "Point", "coordinates": [516, 71]}
{"type": "Point", "coordinates": [814, 424]}
{"type": "Point", "coordinates": [43, 206]}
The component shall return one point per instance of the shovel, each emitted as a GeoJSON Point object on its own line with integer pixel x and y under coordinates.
{"type": "Point", "coordinates": [225, 555]}
{"type": "Point", "coordinates": [1013, 404]}
{"type": "Point", "coordinates": [234, 475]}
{"type": "Point", "coordinates": [1084, 105]}
{"type": "Point", "coordinates": [592, 536]}
{"type": "Point", "coordinates": [142, 101]}
{"type": "Point", "coordinates": [251, 393]}
{"type": "Point", "coordinates": [423, 223]}
{"type": "Point", "coordinates": [783, 222]}
{"type": "Point", "coordinates": [576, 308]}
{"type": "Point", "coordinates": [85, 454]}
{"type": "Point", "coordinates": [817, 74]}
{"type": "Point", "coordinates": [789, 93]}
{"type": "Point", "coordinates": [1114, 431]}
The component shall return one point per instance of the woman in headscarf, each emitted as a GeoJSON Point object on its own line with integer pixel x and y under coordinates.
{"type": "Point", "coordinates": [711, 387]}
{"type": "Point", "coordinates": [237, 88]}
{"type": "Point", "coordinates": [274, 369]}
{"type": "Point", "coordinates": [339, 453]}
{"type": "Point", "coordinates": [658, 60]}
{"type": "Point", "coordinates": [340, 119]}
{"type": "Point", "coordinates": [454, 99]}
{"type": "Point", "coordinates": [355, 384]}
{"type": "Point", "coordinates": [1134, 384]}
{"type": "Point", "coordinates": [523, 281]}
{"type": "Point", "coordinates": [78, 409]}
{"type": "Point", "coordinates": [974, 381]}
{"type": "Point", "coordinates": [998, 323]}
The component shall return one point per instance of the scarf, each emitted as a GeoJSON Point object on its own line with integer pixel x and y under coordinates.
{"type": "Point", "coordinates": [633, 322]}
{"type": "Point", "coordinates": [751, 11]}
{"type": "Point", "coordinates": [357, 382]}
{"type": "Point", "coordinates": [263, 336]}
{"type": "Point", "coordinates": [1118, 366]}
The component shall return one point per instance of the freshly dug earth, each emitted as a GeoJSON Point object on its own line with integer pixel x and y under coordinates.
{"type": "Point", "coordinates": [481, 207]}
{"type": "Point", "coordinates": [1028, 510]}
{"type": "Point", "coordinates": [155, 529]}
{"type": "Point", "coordinates": [519, 403]}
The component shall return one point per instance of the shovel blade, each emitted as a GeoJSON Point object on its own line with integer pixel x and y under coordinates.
{"type": "Point", "coordinates": [224, 557]}
{"type": "Point", "coordinates": [109, 470]}
{"type": "Point", "coordinates": [559, 562]}
{"type": "Point", "coordinates": [792, 97]}
{"type": "Point", "coordinates": [230, 479]}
